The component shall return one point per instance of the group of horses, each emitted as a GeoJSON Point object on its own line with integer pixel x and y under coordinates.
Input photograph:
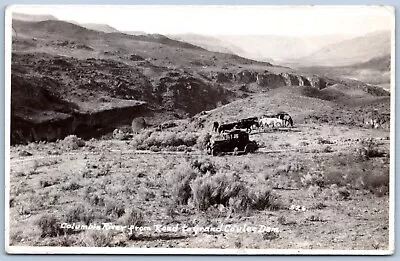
{"type": "Point", "coordinates": [266, 121]}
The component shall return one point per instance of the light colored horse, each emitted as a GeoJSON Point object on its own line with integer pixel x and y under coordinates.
{"type": "Point", "coordinates": [270, 122]}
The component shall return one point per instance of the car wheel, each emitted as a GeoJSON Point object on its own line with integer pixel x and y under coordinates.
{"type": "Point", "coordinates": [250, 148]}
{"type": "Point", "coordinates": [216, 151]}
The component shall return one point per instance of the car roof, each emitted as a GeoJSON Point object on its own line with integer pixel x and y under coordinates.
{"type": "Point", "coordinates": [237, 132]}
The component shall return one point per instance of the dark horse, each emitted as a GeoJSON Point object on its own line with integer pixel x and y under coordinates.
{"type": "Point", "coordinates": [227, 126]}
{"type": "Point", "coordinates": [287, 119]}
{"type": "Point", "coordinates": [248, 123]}
{"type": "Point", "coordinates": [215, 126]}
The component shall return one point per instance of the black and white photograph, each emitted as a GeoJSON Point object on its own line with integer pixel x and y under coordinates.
{"type": "Point", "coordinates": [184, 129]}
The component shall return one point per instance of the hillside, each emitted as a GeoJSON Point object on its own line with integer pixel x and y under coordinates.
{"type": "Point", "coordinates": [209, 43]}
{"type": "Point", "coordinates": [381, 63]}
{"type": "Point", "coordinates": [357, 50]}
{"type": "Point", "coordinates": [281, 49]}
{"type": "Point", "coordinates": [100, 27]}
{"type": "Point", "coordinates": [89, 82]}
{"type": "Point", "coordinates": [375, 71]}
{"type": "Point", "coordinates": [337, 104]}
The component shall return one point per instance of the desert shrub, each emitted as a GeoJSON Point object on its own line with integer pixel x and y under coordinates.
{"type": "Point", "coordinates": [327, 149]}
{"type": "Point", "coordinates": [80, 213]}
{"type": "Point", "coordinates": [46, 183]}
{"type": "Point", "coordinates": [120, 134]}
{"type": "Point", "coordinates": [189, 139]}
{"type": "Point", "coordinates": [95, 200]}
{"type": "Point", "coordinates": [203, 166]}
{"type": "Point", "coordinates": [270, 235]}
{"type": "Point", "coordinates": [227, 189]}
{"type": "Point", "coordinates": [138, 139]}
{"type": "Point", "coordinates": [343, 193]}
{"type": "Point", "coordinates": [334, 177]}
{"type": "Point", "coordinates": [323, 141]}
{"type": "Point", "coordinates": [378, 184]}
{"type": "Point", "coordinates": [71, 185]}
{"type": "Point", "coordinates": [114, 209]}
{"type": "Point", "coordinates": [335, 192]}
{"type": "Point", "coordinates": [49, 225]}
{"type": "Point", "coordinates": [103, 170]}
{"type": "Point", "coordinates": [310, 178]}
{"type": "Point", "coordinates": [179, 180]}
{"type": "Point", "coordinates": [134, 218]}
{"type": "Point", "coordinates": [314, 190]}
{"type": "Point", "coordinates": [216, 189]}
{"type": "Point", "coordinates": [155, 148]}
{"type": "Point", "coordinates": [368, 148]}
{"type": "Point", "coordinates": [103, 238]}
{"type": "Point", "coordinates": [165, 139]}
{"type": "Point", "coordinates": [262, 198]}
{"type": "Point", "coordinates": [347, 170]}
{"type": "Point", "coordinates": [202, 140]}
{"type": "Point", "coordinates": [72, 142]}
{"type": "Point", "coordinates": [294, 166]}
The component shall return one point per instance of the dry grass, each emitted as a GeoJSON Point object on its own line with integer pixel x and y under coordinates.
{"type": "Point", "coordinates": [229, 190]}
{"type": "Point", "coordinates": [49, 225]}
{"type": "Point", "coordinates": [139, 189]}
{"type": "Point", "coordinates": [71, 142]}
{"type": "Point", "coordinates": [179, 179]}
{"type": "Point", "coordinates": [155, 140]}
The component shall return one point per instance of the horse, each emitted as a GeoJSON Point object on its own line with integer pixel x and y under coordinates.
{"type": "Point", "coordinates": [227, 126]}
{"type": "Point", "coordinates": [270, 122]}
{"type": "Point", "coordinates": [288, 120]}
{"type": "Point", "coordinates": [215, 126]}
{"type": "Point", "coordinates": [247, 124]}
{"type": "Point", "coordinates": [285, 117]}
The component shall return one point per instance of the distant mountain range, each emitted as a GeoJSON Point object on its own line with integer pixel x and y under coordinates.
{"type": "Point", "coordinates": [279, 48]}
{"type": "Point", "coordinates": [209, 43]}
{"type": "Point", "coordinates": [357, 50]}
{"type": "Point", "coordinates": [100, 27]}
{"type": "Point", "coordinates": [307, 51]}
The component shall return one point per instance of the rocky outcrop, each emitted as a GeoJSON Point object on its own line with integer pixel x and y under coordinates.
{"type": "Point", "coordinates": [245, 76]}
{"type": "Point", "coordinates": [377, 120]}
{"type": "Point", "coordinates": [268, 79]}
{"type": "Point", "coordinates": [184, 92]}
{"type": "Point", "coordinates": [58, 96]}
{"type": "Point", "coordinates": [85, 125]}
{"type": "Point", "coordinates": [222, 77]}
{"type": "Point", "coordinates": [271, 80]}
{"type": "Point", "coordinates": [316, 82]}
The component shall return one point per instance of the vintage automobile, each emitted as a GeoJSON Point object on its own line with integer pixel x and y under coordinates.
{"type": "Point", "coordinates": [235, 141]}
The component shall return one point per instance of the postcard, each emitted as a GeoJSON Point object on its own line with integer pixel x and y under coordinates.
{"type": "Point", "coordinates": [211, 130]}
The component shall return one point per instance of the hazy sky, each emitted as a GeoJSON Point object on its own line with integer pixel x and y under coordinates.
{"type": "Point", "coordinates": [228, 20]}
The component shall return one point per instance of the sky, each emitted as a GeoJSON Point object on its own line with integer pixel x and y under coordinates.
{"type": "Point", "coordinates": [228, 20]}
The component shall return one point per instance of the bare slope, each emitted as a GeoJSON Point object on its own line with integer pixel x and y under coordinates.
{"type": "Point", "coordinates": [337, 105]}
{"type": "Point", "coordinates": [209, 43]}
{"type": "Point", "coordinates": [100, 27]}
{"type": "Point", "coordinates": [357, 50]}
